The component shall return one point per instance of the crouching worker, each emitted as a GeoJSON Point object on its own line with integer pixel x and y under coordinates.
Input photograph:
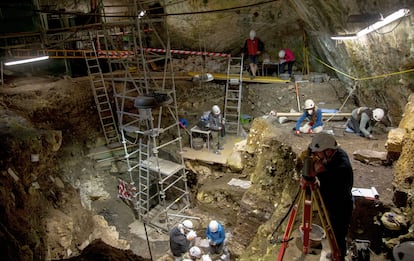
{"type": "Point", "coordinates": [195, 254]}
{"type": "Point", "coordinates": [216, 238]}
{"type": "Point", "coordinates": [181, 237]}
{"type": "Point", "coordinates": [313, 115]}
{"type": "Point", "coordinates": [363, 120]}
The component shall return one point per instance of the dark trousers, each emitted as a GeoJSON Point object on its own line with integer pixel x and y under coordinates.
{"type": "Point", "coordinates": [216, 249]}
{"type": "Point", "coordinates": [353, 124]}
{"type": "Point", "coordinates": [283, 65]}
{"type": "Point", "coordinates": [340, 220]}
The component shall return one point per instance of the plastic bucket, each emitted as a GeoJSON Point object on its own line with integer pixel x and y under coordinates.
{"type": "Point", "coordinates": [34, 157]}
{"type": "Point", "coordinates": [284, 76]}
{"type": "Point", "coordinates": [316, 235]}
{"type": "Point", "coordinates": [298, 77]}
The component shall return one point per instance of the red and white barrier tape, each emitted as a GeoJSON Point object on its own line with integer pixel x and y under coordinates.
{"type": "Point", "coordinates": [125, 54]}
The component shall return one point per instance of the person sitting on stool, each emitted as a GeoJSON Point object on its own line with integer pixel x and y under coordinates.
{"type": "Point", "coordinates": [216, 124]}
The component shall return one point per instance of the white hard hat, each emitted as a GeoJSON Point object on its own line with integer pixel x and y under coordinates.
{"type": "Point", "coordinates": [215, 109]}
{"type": "Point", "coordinates": [195, 252]}
{"type": "Point", "coordinates": [378, 114]}
{"type": "Point", "coordinates": [252, 34]}
{"type": "Point", "coordinates": [188, 224]}
{"type": "Point", "coordinates": [213, 226]}
{"type": "Point", "coordinates": [282, 54]}
{"type": "Point", "coordinates": [309, 104]}
{"type": "Point", "coordinates": [323, 141]}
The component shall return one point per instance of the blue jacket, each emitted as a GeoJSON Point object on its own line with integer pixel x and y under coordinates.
{"type": "Point", "coordinates": [217, 236]}
{"type": "Point", "coordinates": [318, 120]}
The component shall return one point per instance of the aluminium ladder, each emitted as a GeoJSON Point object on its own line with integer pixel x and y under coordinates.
{"type": "Point", "coordinates": [100, 95]}
{"type": "Point", "coordinates": [233, 96]}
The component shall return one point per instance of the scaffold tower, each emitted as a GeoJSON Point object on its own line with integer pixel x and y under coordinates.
{"type": "Point", "coordinates": [146, 110]}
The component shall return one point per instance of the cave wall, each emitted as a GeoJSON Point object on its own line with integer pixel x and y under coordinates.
{"type": "Point", "coordinates": [374, 67]}
{"type": "Point", "coordinates": [42, 120]}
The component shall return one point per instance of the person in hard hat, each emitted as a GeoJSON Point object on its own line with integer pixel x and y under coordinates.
{"type": "Point", "coordinates": [216, 235]}
{"type": "Point", "coordinates": [217, 125]}
{"type": "Point", "coordinates": [333, 171]}
{"type": "Point", "coordinates": [363, 120]}
{"type": "Point", "coordinates": [253, 47]}
{"type": "Point", "coordinates": [286, 57]}
{"type": "Point", "coordinates": [194, 254]}
{"type": "Point", "coordinates": [313, 115]}
{"type": "Point", "coordinates": [181, 237]}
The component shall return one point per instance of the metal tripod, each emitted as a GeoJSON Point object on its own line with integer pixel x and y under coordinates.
{"type": "Point", "coordinates": [309, 196]}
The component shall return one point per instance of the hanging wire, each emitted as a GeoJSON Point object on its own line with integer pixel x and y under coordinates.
{"type": "Point", "coordinates": [346, 100]}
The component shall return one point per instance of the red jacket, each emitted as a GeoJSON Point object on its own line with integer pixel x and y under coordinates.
{"type": "Point", "coordinates": [289, 56]}
{"type": "Point", "coordinates": [251, 47]}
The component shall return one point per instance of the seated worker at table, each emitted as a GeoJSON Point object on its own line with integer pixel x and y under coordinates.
{"type": "Point", "coordinates": [286, 57]}
{"type": "Point", "coordinates": [314, 116]}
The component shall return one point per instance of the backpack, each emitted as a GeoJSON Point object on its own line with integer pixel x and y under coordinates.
{"type": "Point", "coordinates": [203, 123]}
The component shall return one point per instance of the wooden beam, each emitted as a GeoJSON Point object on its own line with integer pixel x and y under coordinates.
{"type": "Point", "coordinates": [326, 114]}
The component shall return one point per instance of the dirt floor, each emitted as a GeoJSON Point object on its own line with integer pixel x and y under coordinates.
{"type": "Point", "coordinates": [259, 100]}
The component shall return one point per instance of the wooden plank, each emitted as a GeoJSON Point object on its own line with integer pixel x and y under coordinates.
{"type": "Point", "coordinates": [325, 114]}
{"type": "Point", "coordinates": [165, 167]}
{"type": "Point", "coordinates": [257, 79]}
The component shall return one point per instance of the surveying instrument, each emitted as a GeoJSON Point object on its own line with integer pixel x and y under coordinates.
{"type": "Point", "coordinates": [309, 195]}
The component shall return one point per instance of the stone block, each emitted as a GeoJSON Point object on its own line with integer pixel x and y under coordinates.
{"type": "Point", "coordinates": [395, 140]}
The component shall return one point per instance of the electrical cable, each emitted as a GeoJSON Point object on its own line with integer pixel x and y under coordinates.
{"type": "Point", "coordinates": [155, 15]}
{"type": "Point", "coordinates": [272, 241]}
{"type": "Point", "coordinates": [390, 31]}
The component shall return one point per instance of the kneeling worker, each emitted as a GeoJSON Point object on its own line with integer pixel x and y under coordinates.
{"type": "Point", "coordinates": [363, 119]}
{"type": "Point", "coordinates": [314, 116]}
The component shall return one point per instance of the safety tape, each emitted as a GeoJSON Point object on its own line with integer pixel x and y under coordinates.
{"type": "Point", "coordinates": [159, 50]}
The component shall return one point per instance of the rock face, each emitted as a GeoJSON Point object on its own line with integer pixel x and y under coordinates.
{"type": "Point", "coordinates": [42, 215]}
{"type": "Point", "coordinates": [404, 175]}
{"type": "Point", "coordinates": [271, 166]}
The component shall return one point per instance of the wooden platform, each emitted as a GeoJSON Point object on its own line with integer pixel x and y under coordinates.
{"type": "Point", "coordinates": [209, 156]}
{"type": "Point", "coordinates": [246, 78]}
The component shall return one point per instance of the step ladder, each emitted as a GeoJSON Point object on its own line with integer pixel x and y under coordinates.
{"type": "Point", "coordinates": [100, 94]}
{"type": "Point", "coordinates": [232, 101]}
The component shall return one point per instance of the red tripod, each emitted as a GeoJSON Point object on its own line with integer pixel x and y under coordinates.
{"type": "Point", "coordinates": [309, 195]}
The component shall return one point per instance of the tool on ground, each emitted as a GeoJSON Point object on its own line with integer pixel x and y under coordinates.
{"type": "Point", "coordinates": [297, 92]}
{"type": "Point", "coordinates": [309, 195]}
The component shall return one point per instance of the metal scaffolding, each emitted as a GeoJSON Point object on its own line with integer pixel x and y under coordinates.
{"type": "Point", "coordinates": [137, 111]}
{"type": "Point", "coordinates": [146, 112]}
